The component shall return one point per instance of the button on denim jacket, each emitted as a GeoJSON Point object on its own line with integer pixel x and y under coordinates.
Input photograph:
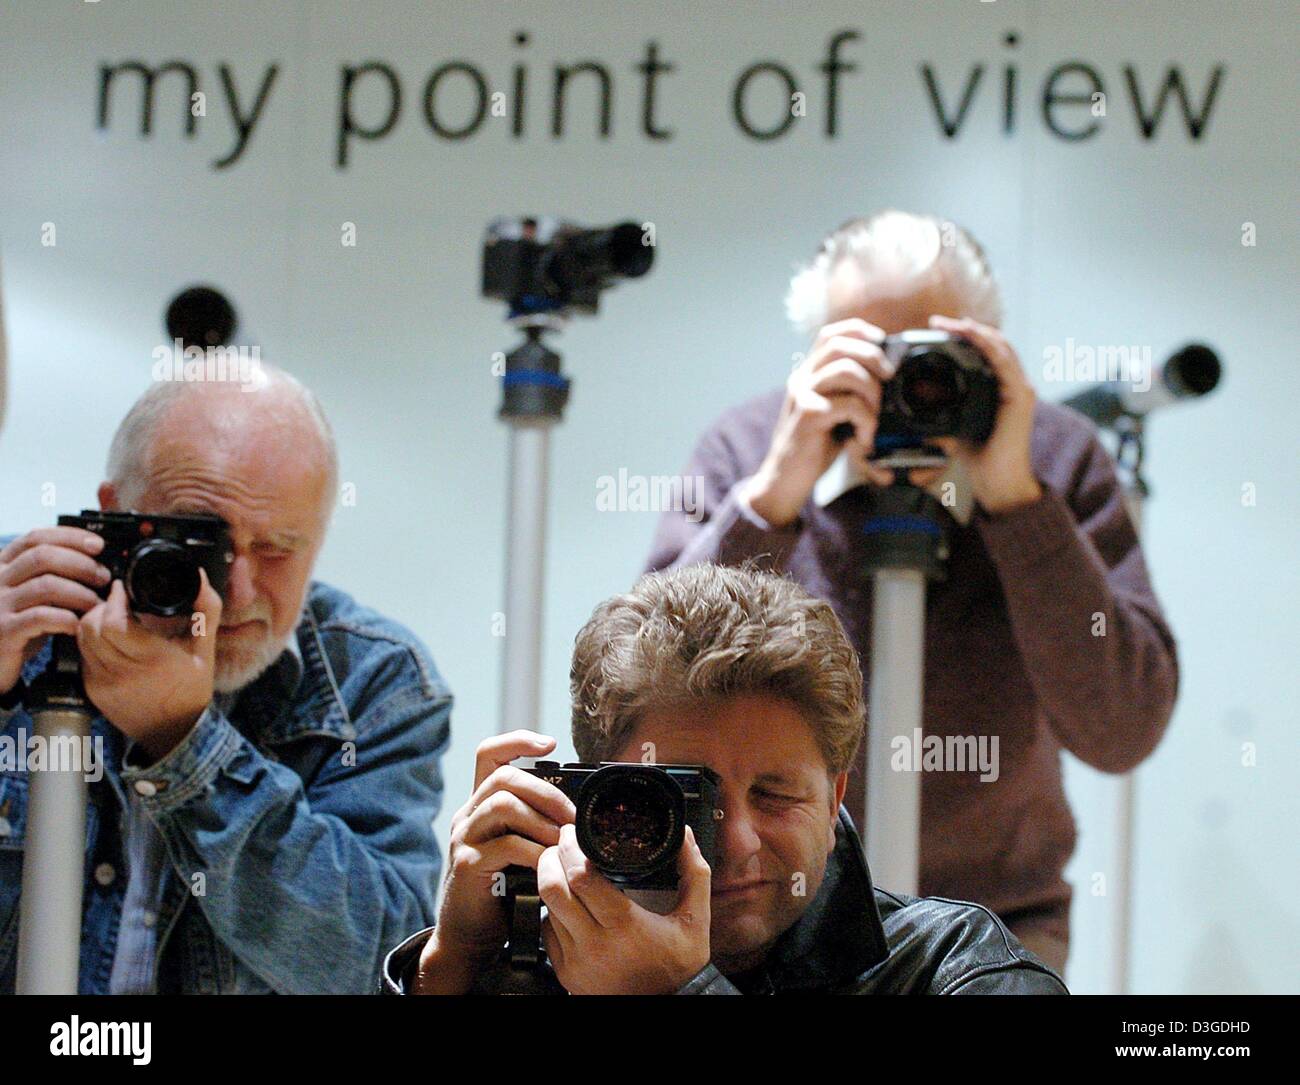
{"type": "Point", "coordinates": [299, 828]}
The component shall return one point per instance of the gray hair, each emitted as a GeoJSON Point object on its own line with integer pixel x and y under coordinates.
{"type": "Point", "coordinates": [128, 455]}
{"type": "Point", "coordinates": [897, 241]}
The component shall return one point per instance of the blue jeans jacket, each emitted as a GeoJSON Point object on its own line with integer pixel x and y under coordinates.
{"type": "Point", "coordinates": [299, 828]}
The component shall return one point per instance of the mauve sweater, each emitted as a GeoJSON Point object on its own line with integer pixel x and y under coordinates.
{"type": "Point", "coordinates": [1009, 646]}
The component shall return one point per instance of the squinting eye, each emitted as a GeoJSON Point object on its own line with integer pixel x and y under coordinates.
{"type": "Point", "coordinates": [273, 552]}
{"type": "Point", "coordinates": [772, 796]}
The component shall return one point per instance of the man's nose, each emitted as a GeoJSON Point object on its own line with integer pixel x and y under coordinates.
{"type": "Point", "coordinates": [737, 839]}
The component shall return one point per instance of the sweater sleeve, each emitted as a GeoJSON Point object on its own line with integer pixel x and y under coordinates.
{"type": "Point", "coordinates": [1096, 648]}
{"type": "Point", "coordinates": [719, 528]}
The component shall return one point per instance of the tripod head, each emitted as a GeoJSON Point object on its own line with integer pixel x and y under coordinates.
{"type": "Point", "coordinates": [59, 686]}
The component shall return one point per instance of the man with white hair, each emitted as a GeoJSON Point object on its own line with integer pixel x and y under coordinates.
{"type": "Point", "coordinates": [1045, 635]}
{"type": "Point", "coordinates": [272, 766]}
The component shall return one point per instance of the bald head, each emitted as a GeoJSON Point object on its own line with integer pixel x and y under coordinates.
{"type": "Point", "coordinates": [276, 412]}
{"type": "Point", "coordinates": [260, 456]}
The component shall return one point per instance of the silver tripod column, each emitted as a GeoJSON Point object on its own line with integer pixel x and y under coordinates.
{"type": "Point", "coordinates": [893, 811]}
{"type": "Point", "coordinates": [54, 862]}
{"type": "Point", "coordinates": [521, 674]}
{"type": "Point", "coordinates": [534, 393]}
{"type": "Point", "coordinates": [905, 546]}
{"type": "Point", "coordinates": [1124, 800]}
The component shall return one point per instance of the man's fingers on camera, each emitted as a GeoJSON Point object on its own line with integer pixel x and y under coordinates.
{"type": "Point", "coordinates": [109, 634]}
{"type": "Point", "coordinates": [208, 604]}
{"type": "Point", "coordinates": [847, 376]}
{"type": "Point", "coordinates": [52, 590]}
{"type": "Point", "coordinates": [505, 812]}
{"type": "Point", "coordinates": [500, 750]}
{"type": "Point", "coordinates": [74, 537]}
{"type": "Point", "coordinates": [695, 878]}
{"type": "Point", "coordinates": [547, 799]}
{"type": "Point", "coordinates": [844, 349]}
{"type": "Point", "coordinates": [604, 901]}
{"type": "Point", "coordinates": [558, 894]}
{"type": "Point", "coordinates": [49, 558]}
{"type": "Point", "coordinates": [39, 621]}
{"type": "Point", "coordinates": [848, 409]}
{"type": "Point", "coordinates": [992, 344]}
{"type": "Point", "coordinates": [861, 416]}
{"type": "Point", "coordinates": [492, 856]}
{"type": "Point", "coordinates": [854, 327]}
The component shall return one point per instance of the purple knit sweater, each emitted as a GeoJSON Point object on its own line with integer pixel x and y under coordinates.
{"type": "Point", "coordinates": [1010, 648]}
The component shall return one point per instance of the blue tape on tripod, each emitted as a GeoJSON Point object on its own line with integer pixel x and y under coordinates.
{"type": "Point", "coordinates": [535, 376]}
{"type": "Point", "coordinates": [900, 525]}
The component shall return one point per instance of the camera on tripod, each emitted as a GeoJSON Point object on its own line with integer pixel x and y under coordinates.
{"type": "Point", "coordinates": [158, 558]}
{"type": "Point", "coordinates": [545, 264]}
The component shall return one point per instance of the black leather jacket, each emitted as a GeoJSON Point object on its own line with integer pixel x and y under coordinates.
{"type": "Point", "coordinates": [855, 939]}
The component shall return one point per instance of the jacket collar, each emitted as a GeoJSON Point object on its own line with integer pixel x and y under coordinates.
{"type": "Point", "coordinates": [839, 936]}
{"type": "Point", "coordinates": [298, 695]}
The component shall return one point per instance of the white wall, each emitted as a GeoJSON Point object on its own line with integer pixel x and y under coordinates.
{"type": "Point", "coordinates": [1115, 239]}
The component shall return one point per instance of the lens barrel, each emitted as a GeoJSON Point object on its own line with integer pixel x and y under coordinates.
{"type": "Point", "coordinates": [630, 820]}
{"type": "Point", "coordinates": [162, 578]}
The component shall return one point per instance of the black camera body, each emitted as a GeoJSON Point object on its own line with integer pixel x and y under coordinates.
{"type": "Point", "coordinates": [942, 386]}
{"type": "Point", "coordinates": [546, 264]}
{"type": "Point", "coordinates": [631, 818]}
{"type": "Point", "coordinates": [158, 558]}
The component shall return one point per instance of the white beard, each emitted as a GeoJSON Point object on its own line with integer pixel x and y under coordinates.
{"type": "Point", "coordinates": [235, 670]}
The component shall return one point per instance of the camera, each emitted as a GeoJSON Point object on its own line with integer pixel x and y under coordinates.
{"type": "Point", "coordinates": [158, 558]}
{"type": "Point", "coordinates": [631, 818]}
{"type": "Point", "coordinates": [546, 264]}
{"type": "Point", "coordinates": [942, 387]}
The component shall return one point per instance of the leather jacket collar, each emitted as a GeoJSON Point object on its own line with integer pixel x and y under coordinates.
{"type": "Point", "coordinates": [838, 937]}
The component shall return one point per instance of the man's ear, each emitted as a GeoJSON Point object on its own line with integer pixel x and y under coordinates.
{"type": "Point", "coordinates": [839, 784]}
{"type": "Point", "coordinates": [108, 498]}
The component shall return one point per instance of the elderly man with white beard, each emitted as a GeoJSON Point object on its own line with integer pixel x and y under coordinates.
{"type": "Point", "coordinates": [273, 764]}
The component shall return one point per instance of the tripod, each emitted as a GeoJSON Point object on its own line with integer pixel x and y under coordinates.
{"type": "Point", "coordinates": [906, 546]}
{"type": "Point", "coordinates": [533, 396]}
{"type": "Point", "coordinates": [1129, 458]}
{"type": "Point", "coordinates": [49, 930]}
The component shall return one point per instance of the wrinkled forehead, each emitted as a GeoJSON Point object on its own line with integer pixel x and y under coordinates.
{"type": "Point", "coordinates": [255, 458]}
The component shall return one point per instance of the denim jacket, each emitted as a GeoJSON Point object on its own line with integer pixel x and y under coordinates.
{"type": "Point", "coordinates": [298, 828]}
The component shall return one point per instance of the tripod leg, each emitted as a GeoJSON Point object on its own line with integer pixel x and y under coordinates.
{"type": "Point", "coordinates": [893, 828]}
{"type": "Point", "coordinates": [49, 931]}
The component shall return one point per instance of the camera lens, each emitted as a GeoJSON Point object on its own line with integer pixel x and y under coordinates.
{"type": "Point", "coordinates": [162, 579]}
{"type": "Point", "coordinates": [630, 820]}
{"type": "Point", "coordinates": [930, 384]}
